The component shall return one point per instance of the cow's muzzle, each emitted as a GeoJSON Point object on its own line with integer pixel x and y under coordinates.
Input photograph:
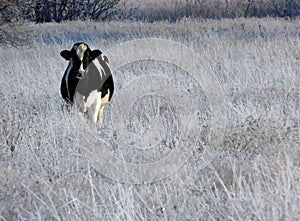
{"type": "Point", "coordinates": [80, 74]}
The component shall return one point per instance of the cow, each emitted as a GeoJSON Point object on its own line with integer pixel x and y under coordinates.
{"type": "Point", "coordinates": [87, 82]}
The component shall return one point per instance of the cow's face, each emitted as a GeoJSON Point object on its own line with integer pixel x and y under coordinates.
{"type": "Point", "coordinates": [80, 56]}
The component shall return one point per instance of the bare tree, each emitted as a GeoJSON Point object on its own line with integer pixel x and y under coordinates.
{"type": "Point", "coordinates": [287, 8]}
{"type": "Point", "coordinates": [11, 29]}
{"type": "Point", "coordinates": [65, 10]}
{"type": "Point", "coordinates": [100, 9]}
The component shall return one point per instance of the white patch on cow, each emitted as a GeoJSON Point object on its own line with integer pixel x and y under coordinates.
{"type": "Point", "coordinates": [104, 101]}
{"type": "Point", "coordinates": [67, 75]}
{"type": "Point", "coordinates": [81, 70]}
{"type": "Point", "coordinates": [91, 106]}
{"type": "Point", "coordinates": [91, 99]}
{"type": "Point", "coordinates": [80, 49]}
{"type": "Point", "coordinates": [99, 67]}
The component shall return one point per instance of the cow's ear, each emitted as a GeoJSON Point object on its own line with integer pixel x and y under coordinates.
{"type": "Point", "coordinates": [94, 54]}
{"type": "Point", "coordinates": [66, 54]}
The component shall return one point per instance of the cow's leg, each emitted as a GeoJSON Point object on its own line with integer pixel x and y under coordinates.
{"type": "Point", "coordinates": [97, 107]}
{"type": "Point", "coordinates": [104, 101]}
{"type": "Point", "coordinates": [93, 104]}
{"type": "Point", "coordinates": [79, 102]}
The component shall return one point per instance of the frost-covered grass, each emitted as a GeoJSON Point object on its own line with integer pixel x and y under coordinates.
{"type": "Point", "coordinates": [255, 174]}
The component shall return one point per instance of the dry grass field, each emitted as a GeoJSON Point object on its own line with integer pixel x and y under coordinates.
{"type": "Point", "coordinates": [231, 102]}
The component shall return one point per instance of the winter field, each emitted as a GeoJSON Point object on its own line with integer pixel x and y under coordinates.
{"type": "Point", "coordinates": [225, 98]}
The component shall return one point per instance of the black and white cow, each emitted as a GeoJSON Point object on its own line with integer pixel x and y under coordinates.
{"type": "Point", "coordinates": [87, 81]}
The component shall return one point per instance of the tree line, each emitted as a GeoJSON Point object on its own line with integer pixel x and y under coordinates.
{"type": "Point", "coordinates": [217, 9]}
{"type": "Point", "coordinates": [14, 12]}
{"type": "Point", "coordinates": [40, 11]}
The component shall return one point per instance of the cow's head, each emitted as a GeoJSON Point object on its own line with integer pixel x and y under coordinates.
{"type": "Point", "coordinates": [80, 56]}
